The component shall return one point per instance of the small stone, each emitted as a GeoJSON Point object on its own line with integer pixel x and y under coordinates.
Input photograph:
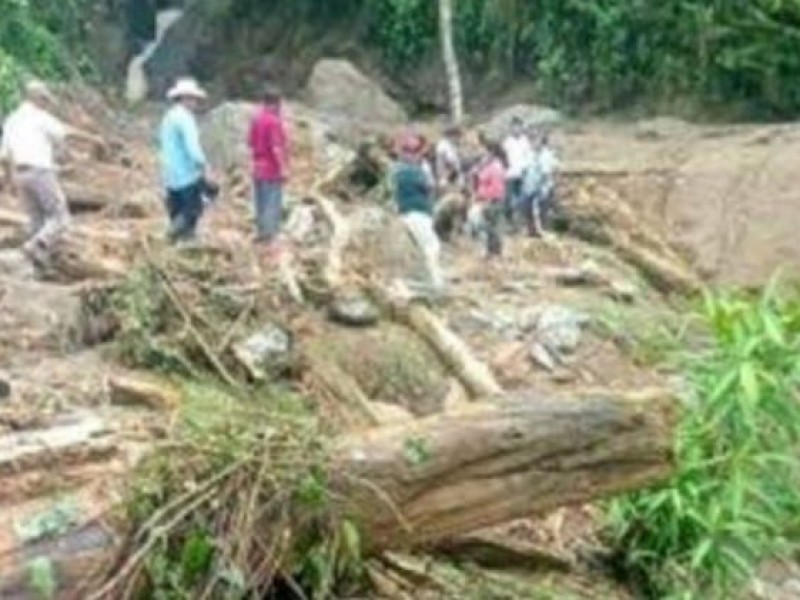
{"type": "Point", "coordinates": [353, 311]}
{"type": "Point", "coordinates": [5, 389]}
{"type": "Point", "coordinates": [563, 376]}
{"type": "Point", "coordinates": [559, 329]}
{"type": "Point", "coordinates": [542, 357]}
{"type": "Point", "coordinates": [265, 351]}
{"type": "Point", "coordinates": [588, 273]}
{"type": "Point", "coordinates": [623, 291]}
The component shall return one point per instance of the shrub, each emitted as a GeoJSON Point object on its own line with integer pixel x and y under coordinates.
{"type": "Point", "coordinates": [733, 501]}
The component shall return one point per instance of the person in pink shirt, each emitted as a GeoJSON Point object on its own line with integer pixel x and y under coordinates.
{"type": "Point", "coordinates": [269, 148]}
{"type": "Point", "coordinates": [490, 192]}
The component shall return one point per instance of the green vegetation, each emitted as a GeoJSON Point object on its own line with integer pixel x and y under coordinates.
{"type": "Point", "coordinates": [723, 57]}
{"type": "Point", "coordinates": [39, 37]}
{"type": "Point", "coordinates": [732, 57]}
{"type": "Point", "coordinates": [733, 502]}
{"type": "Point", "coordinates": [236, 503]}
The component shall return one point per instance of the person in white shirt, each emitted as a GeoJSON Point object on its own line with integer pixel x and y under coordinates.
{"type": "Point", "coordinates": [449, 169]}
{"type": "Point", "coordinates": [31, 136]}
{"type": "Point", "coordinates": [538, 186]}
{"type": "Point", "coordinates": [519, 155]}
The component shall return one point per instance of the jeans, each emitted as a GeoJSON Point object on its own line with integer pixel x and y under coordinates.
{"type": "Point", "coordinates": [185, 207]}
{"type": "Point", "coordinates": [269, 207]}
{"type": "Point", "coordinates": [513, 198]}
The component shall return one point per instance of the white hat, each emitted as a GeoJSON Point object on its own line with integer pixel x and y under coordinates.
{"type": "Point", "coordinates": [186, 87]}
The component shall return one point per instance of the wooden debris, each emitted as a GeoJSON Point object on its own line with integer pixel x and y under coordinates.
{"type": "Point", "coordinates": [448, 475]}
{"type": "Point", "coordinates": [452, 350]}
{"type": "Point", "coordinates": [143, 390]}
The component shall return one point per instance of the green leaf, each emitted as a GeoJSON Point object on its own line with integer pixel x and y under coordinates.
{"type": "Point", "coordinates": [748, 379]}
{"type": "Point", "coordinates": [42, 577]}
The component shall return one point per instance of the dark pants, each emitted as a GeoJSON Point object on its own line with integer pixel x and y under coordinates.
{"type": "Point", "coordinates": [513, 198]}
{"type": "Point", "coordinates": [185, 207]}
{"type": "Point", "coordinates": [492, 214]}
{"type": "Point", "coordinates": [532, 211]}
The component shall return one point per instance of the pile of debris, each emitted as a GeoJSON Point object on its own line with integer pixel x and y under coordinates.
{"type": "Point", "coordinates": [299, 403]}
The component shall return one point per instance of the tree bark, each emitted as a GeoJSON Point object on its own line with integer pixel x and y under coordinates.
{"type": "Point", "coordinates": [451, 61]}
{"type": "Point", "coordinates": [419, 484]}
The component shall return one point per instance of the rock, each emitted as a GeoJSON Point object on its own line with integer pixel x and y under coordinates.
{"type": "Point", "coordinates": [13, 263]}
{"type": "Point", "coordinates": [143, 390]}
{"type": "Point", "coordinates": [381, 245]}
{"type": "Point", "coordinates": [178, 52]}
{"type": "Point", "coordinates": [622, 291]}
{"type": "Point", "coordinates": [5, 388]}
{"type": "Point", "coordinates": [353, 311]}
{"type": "Point", "coordinates": [264, 352]}
{"type": "Point", "coordinates": [337, 88]}
{"type": "Point", "coordinates": [224, 130]}
{"type": "Point", "coordinates": [559, 329]}
{"type": "Point", "coordinates": [542, 357]}
{"type": "Point", "coordinates": [588, 273]}
{"type": "Point", "coordinates": [531, 114]}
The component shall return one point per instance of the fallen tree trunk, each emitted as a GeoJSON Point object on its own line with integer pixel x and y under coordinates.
{"type": "Point", "coordinates": [422, 483]}
{"type": "Point", "coordinates": [475, 376]}
{"type": "Point", "coordinates": [599, 215]}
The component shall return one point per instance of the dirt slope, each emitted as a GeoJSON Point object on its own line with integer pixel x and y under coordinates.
{"type": "Point", "coordinates": [727, 197]}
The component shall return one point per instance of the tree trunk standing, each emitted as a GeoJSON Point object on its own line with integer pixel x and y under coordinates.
{"type": "Point", "coordinates": [451, 61]}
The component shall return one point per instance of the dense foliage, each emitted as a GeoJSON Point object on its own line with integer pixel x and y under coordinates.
{"type": "Point", "coordinates": [734, 501]}
{"type": "Point", "coordinates": [736, 55]}
{"type": "Point", "coordinates": [39, 37]}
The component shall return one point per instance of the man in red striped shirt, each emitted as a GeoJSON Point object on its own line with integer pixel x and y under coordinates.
{"type": "Point", "coordinates": [269, 147]}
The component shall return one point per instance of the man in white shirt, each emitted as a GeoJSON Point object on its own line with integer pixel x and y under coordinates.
{"type": "Point", "coordinates": [519, 155]}
{"type": "Point", "coordinates": [30, 138]}
{"type": "Point", "coordinates": [449, 169]}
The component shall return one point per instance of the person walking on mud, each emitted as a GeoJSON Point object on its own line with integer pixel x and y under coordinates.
{"type": "Point", "coordinates": [490, 193]}
{"type": "Point", "coordinates": [269, 148]}
{"type": "Point", "coordinates": [414, 191]}
{"type": "Point", "coordinates": [184, 167]}
{"type": "Point", "coordinates": [31, 137]}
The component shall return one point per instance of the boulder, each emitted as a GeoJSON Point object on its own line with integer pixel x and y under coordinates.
{"type": "Point", "coordinates": [381, 245]}
{"type": "Point", "coordinates": [177, 53]}
{"type": "Point", "coordinates": [224, 130]}
{"type": "Point", "coordinates": [337, 88]}
{"type": "Point", "coordinates": [531, 114]}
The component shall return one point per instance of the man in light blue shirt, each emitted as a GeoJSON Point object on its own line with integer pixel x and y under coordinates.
{"type": "Point", "coordinates": [183, 162]}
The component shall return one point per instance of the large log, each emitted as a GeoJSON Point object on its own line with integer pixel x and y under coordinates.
{"type": "Point", "coordinates": [419, 484]}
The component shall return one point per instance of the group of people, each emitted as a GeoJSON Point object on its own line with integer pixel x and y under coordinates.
{"type": "Point", "coordinates": [190, 183]}
{"type": "Point", "coordinates": [495, 186]}
{"type": "Point", "coordinates": [32, 138]}
{"type": "Point", "coordinates": [483, 188]}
